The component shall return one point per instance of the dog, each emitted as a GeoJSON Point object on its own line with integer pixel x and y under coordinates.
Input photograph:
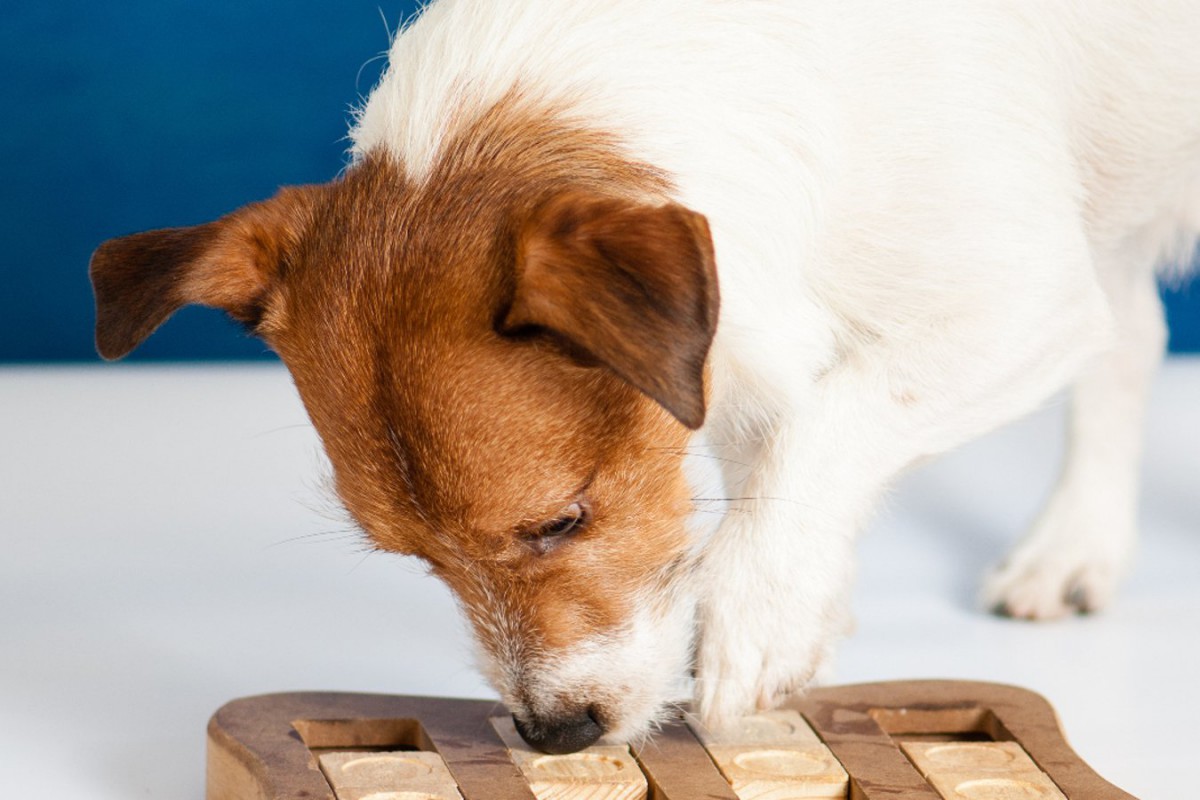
{"type": "Point", "coordinates": [585, 248]}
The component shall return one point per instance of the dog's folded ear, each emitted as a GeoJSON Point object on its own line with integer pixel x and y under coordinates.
{"type": "Point", "coordinates": [633, 286]}
{"type": "Point", "coordinates": [231, 264]}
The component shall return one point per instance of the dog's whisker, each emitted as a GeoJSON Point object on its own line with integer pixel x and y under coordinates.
{"type": "Point", "coordinates": [694, 447]}
{"type": "Point", "coordinates": [751, 499]}
{"type": "Point", "coordinates": [347, 534]}
{"type": "Point", "coordinates": [367, 554]}
{"type": "Point", "coordinates": [281, 428]}
{"type": "Point", "coordinates": [709, 456]}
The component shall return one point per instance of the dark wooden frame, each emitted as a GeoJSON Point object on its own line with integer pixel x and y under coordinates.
{"type": "Point", "coordinates": [263, 748]}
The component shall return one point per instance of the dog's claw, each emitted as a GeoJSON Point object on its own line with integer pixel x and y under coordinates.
{"type": "Point", "coordinates": [1079, 598]}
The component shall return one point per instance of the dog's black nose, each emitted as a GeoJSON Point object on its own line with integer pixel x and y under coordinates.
{"type": "Point", "coordinates": [558, 735]}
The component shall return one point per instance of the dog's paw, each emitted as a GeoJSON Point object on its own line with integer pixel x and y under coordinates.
{"type": "Point", "coordinates": [1051, 590]}
{"type": "Point", "coordinates": [733, 682]}
{"type": "Point", "coordinates": [1058, 570]}
{"type": "Point", "coordinates": [752, 663]}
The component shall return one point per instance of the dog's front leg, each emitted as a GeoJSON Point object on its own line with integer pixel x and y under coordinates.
{"type": "Point", "coordinates": [775, 576]}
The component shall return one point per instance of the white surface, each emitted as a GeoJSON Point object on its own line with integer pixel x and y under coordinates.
{"type": "Point", "coordinates": [167, 547]}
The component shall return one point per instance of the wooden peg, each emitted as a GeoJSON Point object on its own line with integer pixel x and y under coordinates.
{"type": "Point", "coordinates": [981, 771]}
{"type": "Point", "coordinates": [774, 755]}
{"type": "Point", "coordinates": [598, 773]}
{"type": "Point", "coordinates": [761, 772]}
{"type": "Point", "coordinates": [783, 726]}
{"type": "Point", "coordinates": [409, 775]}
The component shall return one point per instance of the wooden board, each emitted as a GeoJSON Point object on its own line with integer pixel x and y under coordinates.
{"type": "Point", "coordinates": [908, 740]}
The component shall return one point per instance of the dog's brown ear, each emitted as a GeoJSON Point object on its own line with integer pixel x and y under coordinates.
{"type": "Point", "coordinates": [141, 280]}
{"type": "Point", "coordinates": [633, 286]}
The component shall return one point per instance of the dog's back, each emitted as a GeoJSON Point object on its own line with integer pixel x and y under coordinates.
{"type": "Point", "coordinates": [779, 119]}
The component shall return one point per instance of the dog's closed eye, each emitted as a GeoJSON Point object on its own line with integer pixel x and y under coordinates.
{"type": "Point", "coordinates": [549, 535]}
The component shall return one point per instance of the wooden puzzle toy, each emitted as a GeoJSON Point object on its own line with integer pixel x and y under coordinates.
{"type": "Point", "coordinates": [907, 740]}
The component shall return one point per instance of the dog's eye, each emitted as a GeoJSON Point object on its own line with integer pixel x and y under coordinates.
{"type": "Point", "coordinates": [549, 535]}
{"type": "Point", "coordinates": [570, 519]}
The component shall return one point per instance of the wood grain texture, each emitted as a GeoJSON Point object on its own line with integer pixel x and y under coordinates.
{"type": "Point", "coordinates": [993, 770]}
{"type": "Point", "coordinates": [761, 772]}
{"type": "Point", "coordinates": [598, 772]}
{"type": "Point", "coordinates": [267, 748]}
{"type": "Point", "coordinates": [368, 775]}
{"type": "Point", "coordinates": [677, 766]}
{"type": "Point", "coordinates": [774, 755]}
{"type": "Point", "coordinates": [784, 726]}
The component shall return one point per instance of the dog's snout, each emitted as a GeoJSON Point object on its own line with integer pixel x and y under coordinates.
{"type": "Point", "coordinates": [567, 733]}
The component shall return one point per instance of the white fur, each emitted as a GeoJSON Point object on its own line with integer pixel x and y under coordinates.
{"type": "Point", "coordinates": [631, 672]}
{"type": "Point", "coordinates": [928, 217]}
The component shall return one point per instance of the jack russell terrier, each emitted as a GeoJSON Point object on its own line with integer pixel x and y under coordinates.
{"type": "Point", "coordinates": [829, 238]}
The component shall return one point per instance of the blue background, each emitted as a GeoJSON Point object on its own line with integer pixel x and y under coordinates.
{"type": "Point", "coordinates": [125, 116]}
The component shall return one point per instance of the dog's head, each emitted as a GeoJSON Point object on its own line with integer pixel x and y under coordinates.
{"type": "Point", "coordinates": [503, 360]}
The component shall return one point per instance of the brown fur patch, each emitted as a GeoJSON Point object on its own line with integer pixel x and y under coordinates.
{"type": "Point", "coordinates": [451, 439]}
{"type": "Point", "coordinates": [633, 285]}
{"type": "Point", "coordinates": [231, 264]}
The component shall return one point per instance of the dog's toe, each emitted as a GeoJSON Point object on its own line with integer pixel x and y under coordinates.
{"type": "Point", "coordinates": [1050, 589]}
{"type": "Point", "coordinates": [1001, 609]}
{"type": "Point", "coordinates": [1092, 586]}
{"type": "Point", "coordinates": [1080, 598]}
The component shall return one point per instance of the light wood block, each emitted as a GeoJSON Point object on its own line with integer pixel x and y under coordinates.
{"type": "Point", "coordinates": [598, 773]}
{"type": "Point", "coordinates": [763, 772]}
{"type": "Point", "coordinates": [990, 757]}
{"type": "Point", "coordinates": [774, 755]}
{"type": "Point", "coordinates": [781, 727]}
{"type": "Point", "coordinates": [981, 771]}
{"type": "Point", "coordinates": [966, 787]}
{"type": "Point", "coordinates": [406, 775]}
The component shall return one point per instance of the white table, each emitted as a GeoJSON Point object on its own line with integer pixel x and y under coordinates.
{"type": "Point", "coordinates": [168, 545]}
